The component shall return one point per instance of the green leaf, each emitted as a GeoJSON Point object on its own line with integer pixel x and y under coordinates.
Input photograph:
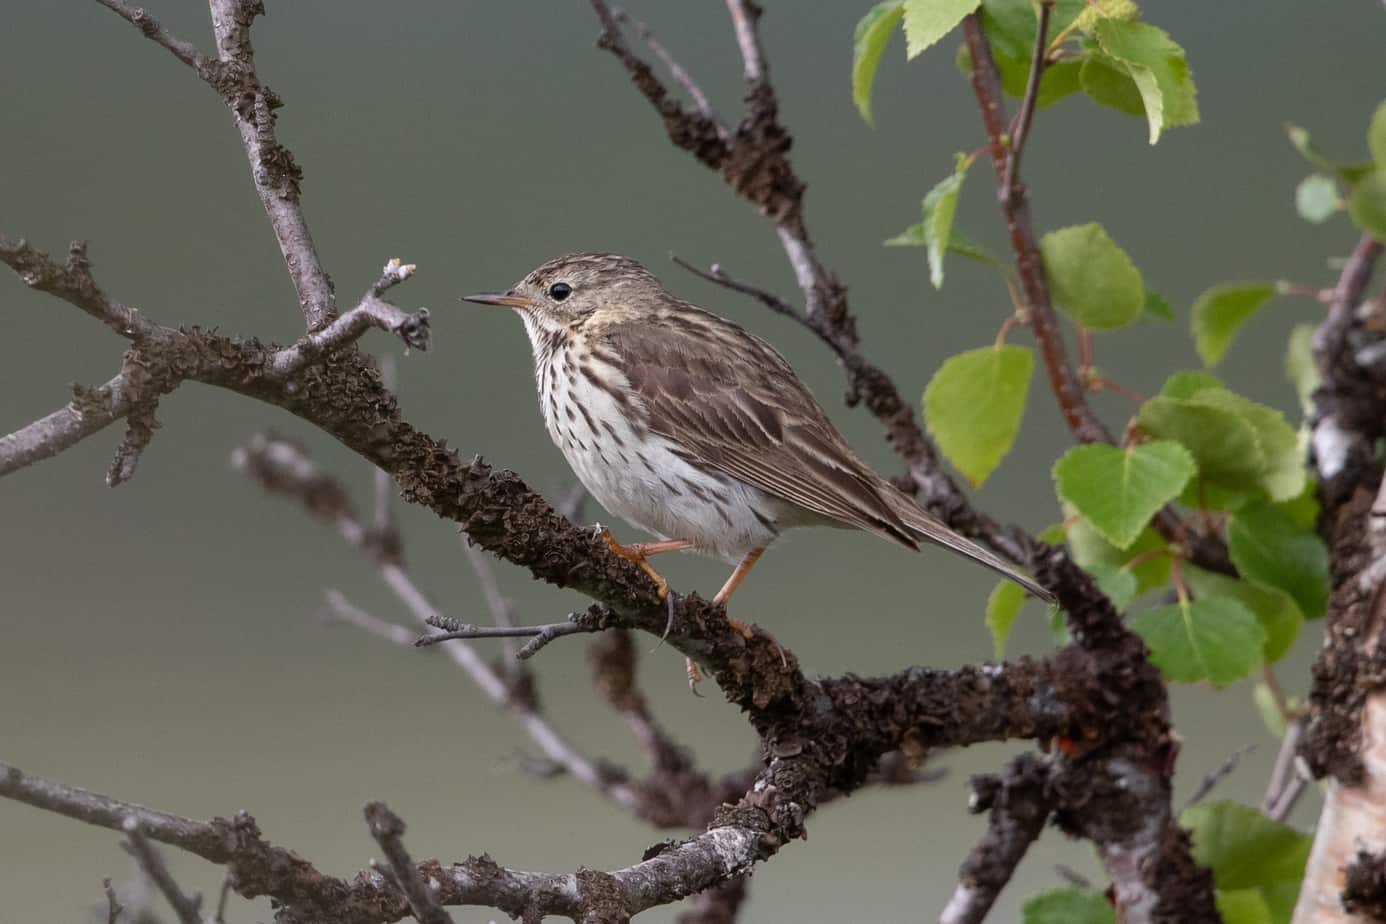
{"type": "Point", "coordinates": [1098, 556]}
{"type": "Point", "coordinates": [1092, 279]}
{"type": "Point", "coordinates": [1224, 445]}
{"type": "Point", "coordinates": [1367, 203]}
{"type": "Point", "coordinates": [1108, 83]}
{"type": "Point", "coordinates": [1215, 639]}
{"type": "Point", "coordinates": [1267, 547]}
{"type": "Point", "coordinates": [1119, 490]}
{"type": "Point", "coordinates": [1003, 605]}
{"type": "Point", "coordinates": [964, 246]}
{"type": "Point", "coordinates": [1376, 135]}
{"type": "Point", "coordinates": [1106, 9]}
{"type": "Point", "coordinates": [1304, 144]}
{"type": "Point", "coordinates": [927, 21]}
{"type": "Point", "coordinates": [1283, 472]}
{"type": "Point", "coordinates": [1220, 312]}
{"type": "Point", "coordinates": [1317, 199]}
{"type": "Point", "coordinates": [1277, 612]}
{"type": "Point", "coordinates": [1242, 906]}
{"type": "Point", "coordinates": [1156, 66]}
{"type": "Point", "coordinates": [1186, 384]}
{"type": "Point", "coordinates": [868, 44]}
{"type": "Point", "coordinates": [1245, 849]}
{"type": "Point", "coordinates": [1300, 367]}
{"type": "Point", "coordinates": [940, 204]}
{"type": "Point", "coordinates": [1068, 906]}
{"type": "Point", "coordinates": [1304, 509]}
{"type": "Point", "coordinates": [1157, 306]}
{"type": "Point", "coordinates": [936, 230]}
{"type": "Point", "coordinates": [974, 404]}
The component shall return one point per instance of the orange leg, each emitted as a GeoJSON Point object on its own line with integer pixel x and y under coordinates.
{"type": "Point", "coordinates": [638, 552]}
{"type": "Point", "coordinates": [734, 582]}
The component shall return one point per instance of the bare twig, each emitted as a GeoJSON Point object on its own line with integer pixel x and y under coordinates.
{"type": "Point", "coordinates": [539, 635]}
{"type": "Point", "coordinates": [388, 831]}
{"type": "Point", "coordinates": [113, 906]}
{"type": "Point", "coordinates": [1018, 809]}
{"type": "Point", "coordinates": [148, 371]}
{"type": "Point", "coordinates": [745, 15]}
{"type": "Point", "coordinates": [1222, 772]}
{"type": "Point", "coordinates": [272, 166]}
{"type": "Point", "coordinates": [1284, 767]}
{"type": "Point", "coordinates": [676, 70]}
{"type": "Point", "coordinates": [72, 281]}
{"type": "Point", "coordinates": [281, 467]}
{"type": "Point", "coordinates": [184, 51]}
{"type": "Point", "coordinates": [138, 846]}
{"type": "Point", "coordinates": [90, 411]}
{"type": "Point", "coordinates": [222, 898]}
{"type": "Point", "coordinates": [340, 609]}
{"type": "Point", "coordinates": [502, 614]}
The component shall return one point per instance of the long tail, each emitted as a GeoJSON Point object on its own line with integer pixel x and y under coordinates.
{"type": "Point", "coordinates": [927, 527]}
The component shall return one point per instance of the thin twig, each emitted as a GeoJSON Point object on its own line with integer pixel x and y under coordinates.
{"type": "Point", "coordinates": [1222, 772]}
{"type": "Point", "coordinates": [340, 609]}
{"type": "Point", "coordinates": [113, 906]}
{"type": "Point", "coordinates": [226, 883]}
{"type": "Point", "coordinates": [276, 174]}
{"type": "Point", "coordinates": [388, 831]}
{"type": "Point", "coordinates": [676, 70]}
{"type": "Point", "coordinates": [184, 51]}
{"type": "Point", "coordinates": [1027, 106]}
{"type": "Point", "coordinates": [502, 614]}
{"type": "Point", "coordinates": [283, 468]}
{"type": "Point", "coordinates": [138, 846]}
{"type": "Point", "coordinates": [744, 14]}
{"type": "Point", "coordinates": [539, 635]}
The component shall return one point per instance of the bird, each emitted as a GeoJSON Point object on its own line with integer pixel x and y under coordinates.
{"type": "Point", "coordinates": [689, 427]}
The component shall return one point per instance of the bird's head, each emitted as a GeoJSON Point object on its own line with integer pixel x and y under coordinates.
{"type": "Point", "coordinates": [575, 288]}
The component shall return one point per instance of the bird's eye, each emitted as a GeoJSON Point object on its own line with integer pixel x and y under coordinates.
{"type": "Point", "coordinates": [559, 291]}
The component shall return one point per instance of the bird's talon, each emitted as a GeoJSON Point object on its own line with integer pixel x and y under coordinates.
{"type": "Point", "coordinates": [669, 623]}
{"type": "Point", "coordinates": [695, 676]}
{"type": "Point", "coordinates": [742, 628]}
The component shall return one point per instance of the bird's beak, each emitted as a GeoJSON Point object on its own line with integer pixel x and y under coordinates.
{"type": "Point", "coordinates": [503, 299]}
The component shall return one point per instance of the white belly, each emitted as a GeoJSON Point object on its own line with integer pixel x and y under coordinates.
{"type": "Point", "coordinates": [638, 477]}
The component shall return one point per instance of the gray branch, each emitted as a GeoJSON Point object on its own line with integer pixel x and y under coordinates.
{"type": "Point", "coordinates": [388, 831]}
{"type": "Point", "coordinates": [188, 908]}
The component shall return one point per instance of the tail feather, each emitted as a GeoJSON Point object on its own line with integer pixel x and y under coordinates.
{"type": "Point", "coordinates": [927, 527]}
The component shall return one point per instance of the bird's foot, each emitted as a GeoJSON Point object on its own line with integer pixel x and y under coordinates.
{"type": "Point", "coordinates": [695, 676]}
{"type": "Point", "coordinates": [636, 555]}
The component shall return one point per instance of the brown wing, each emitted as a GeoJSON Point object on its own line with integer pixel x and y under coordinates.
{"type": "Point", "coordinates": [733, 403]}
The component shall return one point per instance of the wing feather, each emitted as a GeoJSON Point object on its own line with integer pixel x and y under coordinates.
{"type": "Point", "coordinates": [731, 402]}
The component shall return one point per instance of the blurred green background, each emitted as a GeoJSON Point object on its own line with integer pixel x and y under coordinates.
{"type": "Point", "coordinates": [159, 642]}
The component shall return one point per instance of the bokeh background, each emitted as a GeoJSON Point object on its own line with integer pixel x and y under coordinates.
{"type": "Point", "coordinates": [159, 641]}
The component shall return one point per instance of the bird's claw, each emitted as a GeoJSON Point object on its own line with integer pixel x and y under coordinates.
{"type": "Point", "coordinates": [695, 676]}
